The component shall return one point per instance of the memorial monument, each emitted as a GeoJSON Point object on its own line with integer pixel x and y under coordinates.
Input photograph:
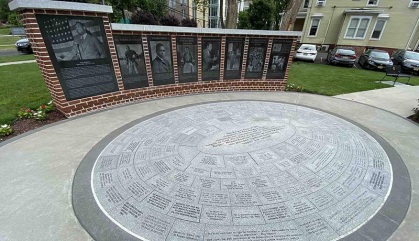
{"type": "Point", "coordinates": [89, 63]}
{"type": "Point", "coordinates": [239, 170]}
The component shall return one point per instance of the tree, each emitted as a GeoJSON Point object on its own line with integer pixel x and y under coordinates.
{"type": "Point", "coordinates": [260, 14]}
{"type": "Point", "coordinates": [156, 7]}
{"type": "Point", "coordinates": [189, 22]}
{"type": "Point", "coordinates": [143, 17]}
{"type": "Point", "coordinates": [244, 20]}
{"type": "Point", "coordinates": [231, 20]}
{"type": "Point", "coordinates": [169, 20]}
{"type": "Point", "coordinates": [290, 14]}
{"type": "Point", "coordinates": [4, 9]}
{"type": "Point", "coordinates": [279, 7]}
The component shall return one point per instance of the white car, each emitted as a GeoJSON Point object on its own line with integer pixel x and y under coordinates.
{"type": "Point", "coordinates": [306, 52]}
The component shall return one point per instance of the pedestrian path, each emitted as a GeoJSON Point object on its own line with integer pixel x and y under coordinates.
{"type": "Point", "coordinates": [37, 168]}
{"type": "Point", "coordinates": [399, 100]}
{"type": "Point", "coordinates": [18, 62]}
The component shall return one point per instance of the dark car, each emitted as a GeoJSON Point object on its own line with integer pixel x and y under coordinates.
{"type": "Point", "coordinates": [375, 59]}
{"type": "Point", "coordinates": [24, 46]}
{"type": "Point", "coordinates": [342, 55]}
{"type": "Point", "coordinates": [408, 60]}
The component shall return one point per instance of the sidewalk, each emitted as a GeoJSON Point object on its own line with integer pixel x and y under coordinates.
{"type": "Point", "coordinates": [18, 62]}
{"type": "Point", "coordinates": [400, 100]}
{"type": "Point", "coordinates": [38, 168]}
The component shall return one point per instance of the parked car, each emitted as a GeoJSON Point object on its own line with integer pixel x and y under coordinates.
{"type": "Point", "coordinates": [408, 60]}
{"type": "Point", "coordinates": [375, 59]}
{"type": "Point", "coordinates": [24, 46]}
{"type": "Point", "coordinates": [342, 55]}
{"type": "Point", "coordinates": [306, 52]}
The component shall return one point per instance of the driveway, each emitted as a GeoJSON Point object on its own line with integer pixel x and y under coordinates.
{"type": "Point", "coordinates": [322, 59]}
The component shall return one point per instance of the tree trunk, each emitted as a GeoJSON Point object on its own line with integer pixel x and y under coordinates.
{"type": "Point", "coordinates": [231, 21]}
{"type": "Point", "coordinates": [222, 13]}
{"type": "Point", "coordinates": [290, 15]}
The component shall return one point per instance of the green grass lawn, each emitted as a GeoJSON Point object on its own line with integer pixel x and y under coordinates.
{"type": "Point", "coordinates": [9, 40]}
{"type": "Point", "coordinates": [335, 80]}
{"type": "Point", "coordinates": [22, 57]}
{"type": "Point", "coordinates": [4, 30]}
{"type": "Point", "coordinates": [21, 86]}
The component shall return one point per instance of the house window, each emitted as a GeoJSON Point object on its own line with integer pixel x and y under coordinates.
{"type": "Point", "coordinates": [321, 3]}
{"type": "Point", "coordinates": [194, 10]}
{"type": "Point", "coordinates": [315, 23]}
{"type": "Point", "coordinates": [414, 3]}
{"type": "Point", "coordinates": [183, 13]}
{"type": "Point", "coordinates": [372, 2]}
{"type": "Point", "coordinates": [357, 27]}
{"type": "Point", "coordinates": [306, 3]}
{"type": "Point", "coordinates": [213, 13]}
{"type": "Point", "coordinates": [380, 24]}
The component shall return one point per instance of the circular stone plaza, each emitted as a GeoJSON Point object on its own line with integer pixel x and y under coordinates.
{"type": "Point", "coordinates": [250, 166]}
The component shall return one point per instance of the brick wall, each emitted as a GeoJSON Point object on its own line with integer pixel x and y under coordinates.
{"type": "Point", "coordinates": [76, 107]}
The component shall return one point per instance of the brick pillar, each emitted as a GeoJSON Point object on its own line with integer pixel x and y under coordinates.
{"type": "Point", "coordinates": [33, 33]}
{"type": "Point", "coordinates": [223, 43]}
{"type": "Point", "coordinates": [245, 50]}
{"type": "Point", "coordinates": [268, 55]}
{"type": "Point", "coordinates": [174, 53]}
{"type": "Point", "coordinates": [112, 50]}
{"type": "Point", "coordinates": [199, 43]}
{"type": "Point", "coordinates": [147, 60]}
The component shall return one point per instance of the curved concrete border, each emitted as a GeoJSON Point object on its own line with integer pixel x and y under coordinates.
{"type": "Point", "coordinates": [380, 227]}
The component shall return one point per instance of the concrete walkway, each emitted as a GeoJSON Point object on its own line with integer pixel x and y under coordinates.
{"type": "Point", "coordinates": [18, 62]}
{"type": "Point", "coordinates": [399, 100]}
{"type": "Point", "coordinates": [37, 169]}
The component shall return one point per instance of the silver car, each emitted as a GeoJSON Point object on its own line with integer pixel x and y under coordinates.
{"type": "Point", "coordinates": [342, 56]}
{"type": "Point", "coordinates": [24, 46]}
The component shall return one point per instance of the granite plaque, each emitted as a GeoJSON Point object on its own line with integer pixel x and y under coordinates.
{"type": "Point", "coordinates": [211, 52]}
{"type": "Point", "coordinates": [129, 49]}
{"type": "Point", "coordinates": [258, 171]}
{"type": "Point", "coordinates": [187, 59]}
{"type": "Point", "coordinates": [233, 58]}
{"type": "Point", "coordinates": [278, 62]}
{"type": "Point", "coordinates": [256, 58]}
{"type": "Point", "coordinates": [160, 48]}
{"type": "Point", "coordinates": [79, 52]}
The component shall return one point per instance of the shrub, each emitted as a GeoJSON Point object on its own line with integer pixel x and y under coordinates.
{"type": "Point", "coordinates": [294, 88]}
{"type": "Point", "coordinates": [14, 19]}
{"type": "Point", "coordinates": [46, 108]}
{"type": "Point", "coordinates": [244, 20]}
{"type": "Point", "coordinates": [5, 130]}
{"type": "Point", "coordinates": [169, 20]}
{"type": "Point", "coordinates": [188, 22]}
{"type": "Point", "coordinates": [142, 17]}
{"type": "Point", "coordinates": [39, 115]}
{"type": "Point", "coordinates": [25, 114]}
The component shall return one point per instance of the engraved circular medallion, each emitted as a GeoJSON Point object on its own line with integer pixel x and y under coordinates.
{"type": "Point", "coordinates": [243, 170]}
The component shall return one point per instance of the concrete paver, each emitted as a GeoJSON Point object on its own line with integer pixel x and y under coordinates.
{"type": "Point", "coordinates": [38, 169]}
{"type": "Point", "coordinates": [400, 100]}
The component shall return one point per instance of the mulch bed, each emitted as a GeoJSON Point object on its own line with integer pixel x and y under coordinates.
{"type": "Point", "coordinates": [413, 119]}
{"type": "Point", "coordinates": [21, 126]}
